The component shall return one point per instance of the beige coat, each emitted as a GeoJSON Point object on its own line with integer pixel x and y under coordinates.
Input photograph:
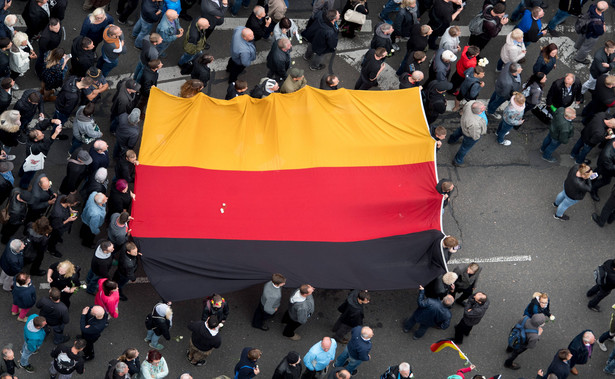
{"type": "Point", "coordinates": [472, 125]}
{"type": "Point", "coordinates": [277, 10]}
{"type": "Point", "coordinates": [510, 51]}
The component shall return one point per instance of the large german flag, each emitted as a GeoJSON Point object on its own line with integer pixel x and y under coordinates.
{"type": "Point", "coordinates": [332, 188]}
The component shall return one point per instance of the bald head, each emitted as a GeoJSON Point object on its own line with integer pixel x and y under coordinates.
{"type": "Point", "coordinates": [367, 332]}
{"type": "Point", "coordinates": [417, 76]}
{"type": "Point", "coordinates": [202, 23]}
{"type": "Point", "coordinates": [171, 14]}
{"type": "Point", "coordinates": [97, 311]}
{"type": "Point", "coordinates": [601, 6]}
{"type": "Point", "coordinates": [44, 183]}
{"type": "Point", "coordinates": [325, 344]}
{"type": "Point", "coordinates": [247, 34]}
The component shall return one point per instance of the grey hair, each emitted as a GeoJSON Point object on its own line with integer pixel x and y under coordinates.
{"type": "Point", "coordinates": [514, 67]}
{"type": "Point", "coordinates": [404, 366]}
{"type": "Point", "coordinates": [476, 107]}
{"type": "Point", "coordinates": [16, 244]}
{"type": "Point", "coordinates": [120, 367]}
{"type": "Point", "coordinates": [385, 26]}
{"type": "Point", "coordinates": [10, 20]}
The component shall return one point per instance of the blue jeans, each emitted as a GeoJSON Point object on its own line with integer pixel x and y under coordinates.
{"type": "Point", "coordinates": [610, 363]}
{"type": "Point", "coordinates": [105, 66]}
{"type": "Point", "coordinates": [403, 67]}
{"type": "Point", "coordinates": [560, 16]}
{"type": "Point", "coordinates": [138, 71]}
{"type": "Point", "coordinates": [503, 128]}
{"type": "Point", "coordinates": [563, 202]}
{"type": "Point", "coordinates": [75, 145]}
{"type": "Point", "coordinates": [390, 6]}
{"type": "Point", "coordinates": [345, 357]}
{"type": "Point", "coordinates": [500, 64]}
{"type": "Point", "coordinates": [580, 151]}
{"type": "Point", "coordinates": [238, 4]}
{"type": "Point", "coordinates": [185, 58]}
{"type": "Point", "coordinates": [466, 144]}
{"type": "Point", "coordinates": [25, 355]}
{"type": "Point", "coordinates": [518, 12]}
{"type": "Point", "coordinates": [92, 282]}
{"type": "Point", "coordinates": [152, 337]}
{"type": "Point", "coordinates": [494, 102]}
{"type": "Point", "coordinates": [141, 29]}
{"type": "Point", "coordinates": [409, 324]}
{"type": "Point", "coordinates": [548, 146]}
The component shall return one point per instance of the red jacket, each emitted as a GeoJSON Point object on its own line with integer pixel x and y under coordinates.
{"type": "Point", "coordinates": [462, 371]}
{"type": "Point", "coordinates": [109, 303]}
{"type": "Point", "coordinates": [464, 62]}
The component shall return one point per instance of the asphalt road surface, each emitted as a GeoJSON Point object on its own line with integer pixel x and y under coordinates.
{"type": "Point", "coordinates": [501, 210]}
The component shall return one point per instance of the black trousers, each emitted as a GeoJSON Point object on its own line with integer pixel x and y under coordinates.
{"type": "Point", "coordinates": [603, 180]}
{"type": "Point", "coordinates": [606, 215]}
{"type": "Point", "coordinates": [341, 330]}
{"type": "Point", "coordinates": [479, 41]}
{"type": "Point", "coordinates": [599, 293]}
{"type": "Point", "coordinates": [260, 316]}
{"type": "Point", "coordinates": [233, 70]}
{"type": "Point", "coordinates": [291, 325]}
{"type": "Point", "coordinates": [126, 7]}
{"type": "Point", "coordinates": [515, 353]}
{"type": "Point", "coordinates": [461, 329]}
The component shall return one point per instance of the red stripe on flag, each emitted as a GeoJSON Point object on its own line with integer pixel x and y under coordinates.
{"type": "Point", "coordinates": [338, 204]}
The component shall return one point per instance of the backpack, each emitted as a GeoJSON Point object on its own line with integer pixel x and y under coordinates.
{"type": "Point", "coordinates": [518, 334]}
{"type": "Point", "coordinates": [600, 276]}
{"type": "Point", "coordinates": [476, 23]}
{"type": "Point", "coordinates": [580, 27]}
{"type": "Point", "coordinates": [237, 372]}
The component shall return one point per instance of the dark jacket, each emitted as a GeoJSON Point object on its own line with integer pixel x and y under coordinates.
{"type": "Point", "coordinates": [37, 243]}
{"type": "Point", "coordinates": [149, 9]}
{"type": "Point", "coordinates": [596, 69]}
{"type": "Point", "coordinates": [96, 326]}
{"type": "Point", "coordinates": [125, 170]}
{"type": "Point", "coordinates": [532, 323]}
{"type": "Point", "coordinates": [381, 40]}
{"type": "Point", "coordinates": [278, 61]}
{"type": "Point", "coordinates": [9, 134]}
{"type": "Point", "coordinates": [492, 25]}
{"type": "Point", "coordinates": [201, 72]}
{"type": "Point", "coordinates": [58, 215]}
{"type": "Point", "coordinates": [69, 96]}
{"type": "Point", "coordinates": [102, 266]}
{"type": "Point", "coordinates": [595, 28]}
{"type": "Point", "coordinates": [534, 307]}
{"type": "Point", "coordinates": [603, 98]}
{"type": "Point", "coordinates": [5, 189]}
{"type": "Point", "coordinates": [416, 42]}
{"type": "Point", "coordinates": [211, 11]}
{"type": "Point", "coordinates": [76, 172]}
{"type": "Point", "coordinates": [531, 27]}
{"type": "Point", "coordinates": [24, 297]}
{"type": "Point", "coordinates": [65, 361]}
{"type": "Point", "coordinates": [473, 312]}
{"type": "Point", "coordinates": [49, 40]}
{"type": "Point", "coordinates": [81, 59]}
{"type": "Point", "coordinates": [118, 201]}
{"type": "Point", "coordinates": [595, 131]}
{"type": "Point", "coordinates": [352, 312]}
{"type": "Point", "coordinates": [98, 160]}
{"type": "Point", "coordinates": [201, 337]}
{"type": "Point", "coordinates": [126, 135]}
{"type": "Point", "coordinates": [580, 354]}
{"type": "Point", "coordinates": [545, 67]}
{"type": "Point", "coordinates": [17, 209]}
{"type": "Point", "coordinates": [149, 78]}
{"type": "Point", "coordinates": [5, 99]}
{"type": "Point", "coordinates": [35, 17]}
{"type": "Point", "coordinates": [393, 373]}
{"type": "Point", "coordinates": [574, 7]}
{"type": "Point", "coordinates": [606, 160]}
{"type": "Point", "coordinates": [574, 186]}
{"type": "Point", "coordinates": [208, 309]}
{"type": "Point", "coordinates": [26, 109]}
{"type": "Point", "coordinates": [432, 312]}
{"type": "Point", "coordinates": [286, 371]}
{"type": "Point", "coordinates": [39, 199]}
{"type": "Point", "coordinates": [322, 34]}
{"type": "Point", "coordinates": [561, 129]}
{"type": "Point", "coordinates": [610, 274]}
{"type": "Point", "coordinates": [123, 102]}
{"type": "Point", "coordinates": [436, 103]}
{"type": "Point", "coordinates": [358, 348]}
{"type": "Point", "coordinates": [558, 367]}
{"type": "Point", "coordinates": [5, 68]}
{"type": "Point", "coordinates": [244, 369]}
{"type": "Point", "coordinates": [437, 289]}
{"type": "Point", "coordinates": [465, 280]}
{"type": "Point", "coordinates": [404, 21]}
{"type": "Point", "coordinates": [54, 313]}
{"type": "Point", "coordinates": [11, 262]}
{"type": "Point", "coordinates": [507, 83]}
{"type": "Point", "coordinates": [556, 95]}
{"type": "Point", "coordinates": [61, 282]}
{"type": "Point", "coordinates": [127, 266]}
{"type": "Point", "coordinates": [257, 26]}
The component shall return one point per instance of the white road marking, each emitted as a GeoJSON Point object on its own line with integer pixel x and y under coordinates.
{"type": "Point", "coordinates": [512, 258]}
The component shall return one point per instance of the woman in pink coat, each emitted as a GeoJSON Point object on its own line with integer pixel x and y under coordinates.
{"type": "Point", "coordinates": [108, 296]}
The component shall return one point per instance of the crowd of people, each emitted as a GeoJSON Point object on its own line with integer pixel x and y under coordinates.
{"type": "Point", "coordinates": [75, 83]}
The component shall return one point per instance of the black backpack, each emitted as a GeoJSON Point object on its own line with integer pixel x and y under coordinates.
{"type": "Point", "coordinates": [580, 27]}
{"type": "Point", "coordinates": [518, 334]}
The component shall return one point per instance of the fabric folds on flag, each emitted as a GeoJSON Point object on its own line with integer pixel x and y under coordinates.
{"type": "Point", "coordinates": [331, 188]}
{"type": "Point", "coordinates": [438, 346]}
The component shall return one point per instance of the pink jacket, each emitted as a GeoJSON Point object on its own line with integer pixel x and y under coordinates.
{"type": "Point", "coordinates": [109, 303]}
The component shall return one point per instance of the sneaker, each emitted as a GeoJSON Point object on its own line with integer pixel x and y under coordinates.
{"type": "Point", "coordinates": [395, 47]}
{"type": "Point", "coordinates": [513, 366]}
{"type": "Point", "coordinates": [458, 164]}
{"type": "Point", "coordinates": [157, 346]}
{"type": "Point", "coordinates": [121, 22]}
{"type": "Point", "coordinates": [505, 143]}
{"type": "Point", "coordinates": [507, 133]}
{"type": "Point", "coordinates": [562, 218]}
{"type": "Point", "coordinates": [9, 158]}
{"type": "Point", "coordinates": [602, 346]}
{"type": "Point", "coordinates": [595, 308]}
{"type": "Point", "coordinates": [201, 363]}
{"type": "Point", "coordinates": [295, 337]}
{"type": "Point", "coordinates": [550, 160]}
{"type": "Point", "coordinates": [585, 61]}
{"type": "Point", "coordinates": [28, 368]}
{"type": "Point", "coordinates": [495, 115]}
{"type": "Point", "coordinates": [305, 58]}
{"type": "Point", "coordinates": [555, 205]}
{"type": "Point", "coordinates": [130, 22]}
{"type": "Point", "coordinates": [117, 13]}
{"type": "Point", "coordinates": [146, 340]}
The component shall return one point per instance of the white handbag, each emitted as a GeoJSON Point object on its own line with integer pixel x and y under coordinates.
{"type": "Point", "coordinates": [34, 162]}
{"type": "Point", "coordinates": [355, 17]}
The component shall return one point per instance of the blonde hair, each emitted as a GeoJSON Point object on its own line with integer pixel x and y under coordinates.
{"type": "Point", "coordinates": [541, 295]}
{"type": "Point", "coordinates": [454, 31]}
{"type": "Point", "coordinates": [408, 3]}
{"type": "Point", "coordinates": [609, 80]}
{"type": "Point", "coordinates": [519, 98]}
{"type": "Point", "coordinates": [19, 38]}
{"type": "Point", "coordinates": [70, 268]}
{"type": "Point", "coordinates": [516, 33]}
{"type": "Point", "coordinates": [97, 12]}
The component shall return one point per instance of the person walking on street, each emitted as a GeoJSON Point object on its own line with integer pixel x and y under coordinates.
{"type": "Point", "coordinates": [357, 350]}
{"type": "Point", "coordinates": [576, 186]}
{"type": "Point", "coordinates": [604, 285]}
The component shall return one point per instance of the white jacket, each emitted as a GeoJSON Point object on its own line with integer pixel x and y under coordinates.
{"type": "Point", "coordinates": [19, 60]}
{"type": "Point", "coordinates": [511, 52]}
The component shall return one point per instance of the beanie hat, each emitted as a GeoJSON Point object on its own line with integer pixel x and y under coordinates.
{"type": "Point", "coordinates": [292, 357]}
{"type": "Point", "coordinates": [134, 116]}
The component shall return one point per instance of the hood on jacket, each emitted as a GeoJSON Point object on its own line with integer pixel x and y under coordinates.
{"type": "Point", "coordinates": [101, 254]}
{"type": "Point", "coordinates": [30, 326]}
{"type": "Point", "coordinates": [297, 298]}
{"type": "Point", "coordinates": [81, 117]}
{"type": "Point", "coordinates": [114, 40]}
{"type": "Point", "coordinates": [381, 34]}
{"type": "Point", "coordinates": [536, 321]}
